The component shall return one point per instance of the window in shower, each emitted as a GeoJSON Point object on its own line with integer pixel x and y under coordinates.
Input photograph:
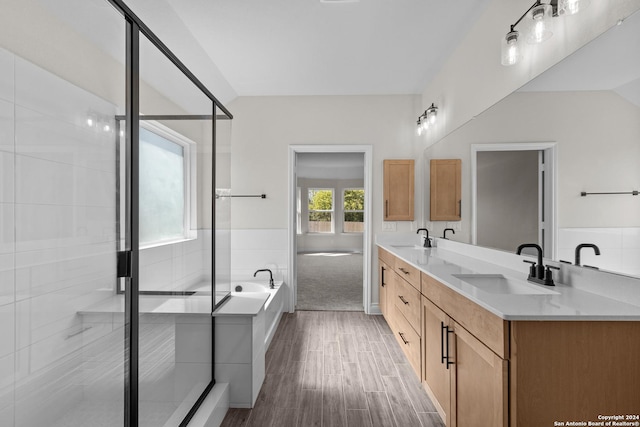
{"type": "Point", "coordinates": [353, 210]}
{"type": "Point", "coordinates": [321, 212]}
{"type": "Point", "coordinates": [167, 185]}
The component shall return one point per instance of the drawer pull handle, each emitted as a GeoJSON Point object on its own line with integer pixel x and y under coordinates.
{"type": "Point", "coordinates": [403, 339]}
{"type": "Point", "coordinates": [442, 328]}
{"type": "Point", "coordinates": [403, 270]}
{"type": "Point", "coordinates": [403, 300]}
{"type": "Point", "coordinates": [382, 280]}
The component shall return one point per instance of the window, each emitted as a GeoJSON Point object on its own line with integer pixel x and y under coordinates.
{"type": "Point", "coordinates": [353, 208]}
{"type": "Point", "coordinates": [320, 210]}
{"type": "Point", "coordinates": [167, 185]}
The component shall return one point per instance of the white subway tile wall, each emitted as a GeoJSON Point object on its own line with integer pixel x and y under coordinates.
{"type": "Point", "coordinates": [259, 248]}
{"type": "Point", "coordinates": [619, 247]}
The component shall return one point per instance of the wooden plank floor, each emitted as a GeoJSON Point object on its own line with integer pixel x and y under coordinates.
{"type": "Point", "coordinates": [337, 368]}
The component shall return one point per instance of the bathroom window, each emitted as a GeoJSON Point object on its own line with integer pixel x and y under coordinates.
{"type": "Point", "coordinates": [167, 186]}
{"type": "Point", "coordinates": [353, 209]}
{"type": "Point", "coordinates": [321, 202]}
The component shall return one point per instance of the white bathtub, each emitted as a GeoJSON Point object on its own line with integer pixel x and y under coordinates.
{"type": "Point", "coordinates": [274, 307]}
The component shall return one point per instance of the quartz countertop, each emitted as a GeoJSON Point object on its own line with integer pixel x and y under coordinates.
{"type": "Point", "coordinates": [566, 302]}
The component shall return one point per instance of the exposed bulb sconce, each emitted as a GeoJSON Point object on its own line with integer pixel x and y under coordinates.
{"type": "Point", "coordinates": [426, 119]}
{"type": "Point", "coordinates": [538, 20]}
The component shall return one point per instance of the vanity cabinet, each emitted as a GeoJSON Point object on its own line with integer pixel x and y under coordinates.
{"type": "Point", "coordinates": [467, 380]}
{"type": "Point", "coordinates": [398, 190]}
{"type": "Point", "coordinates": [446, 189]}
{"type": "Point", "coordinates": [482, 370]}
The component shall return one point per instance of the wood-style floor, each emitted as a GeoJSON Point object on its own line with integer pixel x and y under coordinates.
{"type": "Point", "coordinates": [332, 368]}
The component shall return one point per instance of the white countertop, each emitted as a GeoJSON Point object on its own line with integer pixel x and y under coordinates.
{"type": "Point", "coordinates": [567, 303]}
{"type": "Point", "coordinates": [156, 304]}
{"type": "Point", "coordinates": [249, 304]}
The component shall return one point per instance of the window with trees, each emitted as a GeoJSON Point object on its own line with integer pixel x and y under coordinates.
{"type": "Point", "coordinates": [320, 210]}
{"type": "Point", "coordinates": [353, 209]}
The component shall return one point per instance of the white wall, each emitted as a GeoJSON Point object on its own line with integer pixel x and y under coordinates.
{"type": "Point", "coordinates": [264, 127]}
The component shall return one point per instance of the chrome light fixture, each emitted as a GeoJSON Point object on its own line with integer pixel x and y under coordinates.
{"type": "Point", "coordinates": [538, 20]}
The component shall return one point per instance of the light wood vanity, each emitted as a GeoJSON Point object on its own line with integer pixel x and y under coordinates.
{"type": "Point", "coordinates": [483, 370]}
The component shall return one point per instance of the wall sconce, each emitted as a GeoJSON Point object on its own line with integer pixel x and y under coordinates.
{"type": "Point", "coordinates": [426, 119]}
{"type": "Point", "coordinates": [539, 26]}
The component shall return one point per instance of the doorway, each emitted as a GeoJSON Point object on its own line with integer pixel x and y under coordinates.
{"type": "Point", "coordinates": [513, 192]}
{"type": "Point", "coordinates": [330, 227]}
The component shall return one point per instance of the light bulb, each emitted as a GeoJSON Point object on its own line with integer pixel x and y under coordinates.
{"type": "Point", "coordinates": [433, 112]}
{"type": "Point", "coordinates": [540, 24]}
{"type": "Point", "coordinates": [419, 128]}
{"type": "Point", "coordinates": [90, 121]}
{"type": "Point", "coordinates": [106, 127]}
{"type": "Point", "coordinates": [571, 7]}
{"type": "Point", "coordinates": [510, 49]}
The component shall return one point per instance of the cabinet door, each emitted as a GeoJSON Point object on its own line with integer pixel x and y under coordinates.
{"type": "Point", "coordinates": [446, 189]}
{"type": "Point", "coordinates": [478, 383]}
{"type": "Point", "coordinates": [398, 190]}
{"type": "Point", "coordinates": [436, 374]}
{"type": "Point", "coordinates": [383, 278]}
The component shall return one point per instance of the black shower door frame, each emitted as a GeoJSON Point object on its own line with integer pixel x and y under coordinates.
{"type": "Point", "coordinates": [128, 257]}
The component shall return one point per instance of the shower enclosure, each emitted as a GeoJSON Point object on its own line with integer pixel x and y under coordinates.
{"type": "Point", "coordinates": [114, 249]}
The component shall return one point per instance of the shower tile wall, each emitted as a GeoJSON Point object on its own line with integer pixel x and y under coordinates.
{"type": "Point", "coordinates": [57, 239]}
{"type": "Point", "coordinates": [259, 248]}
{"type": "Point", "coordinates": [178, 266]}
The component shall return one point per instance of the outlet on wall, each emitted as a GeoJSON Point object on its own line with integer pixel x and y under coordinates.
{"type": "Point", "coordinates": [389, 225]}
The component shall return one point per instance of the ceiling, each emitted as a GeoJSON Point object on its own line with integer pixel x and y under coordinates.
{"type": "Point", "coordinates": [313, 47]}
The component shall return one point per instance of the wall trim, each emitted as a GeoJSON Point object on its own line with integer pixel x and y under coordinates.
{"type": "Point", "coordinates": [367, 241]}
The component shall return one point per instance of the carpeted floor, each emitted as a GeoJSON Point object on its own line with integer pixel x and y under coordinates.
{"type": "Point", "coordinates": [330, 281]}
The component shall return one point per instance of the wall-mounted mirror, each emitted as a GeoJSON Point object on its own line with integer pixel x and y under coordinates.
{"type": "Point", "coordinates": [587, 109]}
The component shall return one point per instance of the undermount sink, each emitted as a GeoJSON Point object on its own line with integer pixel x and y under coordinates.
{"type": "Point", "coordinates": [498, 284]}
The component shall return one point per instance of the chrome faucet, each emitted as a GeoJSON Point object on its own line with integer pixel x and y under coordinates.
{"type": "Point", "coordinates": [538, 273]}
{"type": "Point", "coordinates": [271, 285]}
{"type": "Point", "coordinates": [427, 241]}
{"type": "Point", "coordinates": [596, 249]}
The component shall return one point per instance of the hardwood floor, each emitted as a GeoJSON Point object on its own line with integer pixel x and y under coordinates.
{"type": "Point", "coordinates": [337, 368]}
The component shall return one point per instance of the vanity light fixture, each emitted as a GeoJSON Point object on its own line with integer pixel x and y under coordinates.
{"type": "Point", "coordinates": [538, 23]}
{"type": "Point", "coordinates": [426, 119]}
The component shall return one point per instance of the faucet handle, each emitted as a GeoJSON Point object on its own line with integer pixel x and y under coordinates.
{"type": "Point", "coordinates": [548, 275]}
{"type": "Point", "coordinates": [532, 269]}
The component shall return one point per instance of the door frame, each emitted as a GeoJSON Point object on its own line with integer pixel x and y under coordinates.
{"type": "Point", "coordinates": [550, 190]}
{"type": "Point", "coordinates": [367, 150]}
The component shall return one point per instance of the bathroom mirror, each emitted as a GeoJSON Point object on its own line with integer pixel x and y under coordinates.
{"type": "Point", "coordinates": [587, 107]}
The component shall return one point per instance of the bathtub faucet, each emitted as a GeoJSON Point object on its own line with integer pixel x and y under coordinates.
{"type": "Point", "coordinates": [270, 276]}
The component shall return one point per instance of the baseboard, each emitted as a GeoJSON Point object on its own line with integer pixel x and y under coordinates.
{"type": "Point", "coordinates": [375, 309]}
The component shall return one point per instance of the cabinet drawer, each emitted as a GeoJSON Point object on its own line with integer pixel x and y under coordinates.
{"type": "Point", "coordinates": [408, 339]}
{"type": "Point", "coordinates": [407, 299]}
{"type": "Point", "coordinates": [408, 273]}
{"type": "Point", "coordinates": [387, 257]}
{"type": "Point", "coordinates": [484, 325]}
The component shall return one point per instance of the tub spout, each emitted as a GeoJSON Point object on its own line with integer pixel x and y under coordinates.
{"type": "Point", "coordinates": [271, 285]}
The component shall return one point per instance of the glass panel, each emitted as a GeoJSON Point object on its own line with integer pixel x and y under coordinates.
{"type": "Point", "coordinates": [223, 208]}
{"type": "Point", "coordinates": [320, 210]}
{"type": "Point", "coordinates": [175, 271]}
{"type": "Point", "coordinates": [62, 82]}
{"type": "Point", "coordinates": [353, 211]}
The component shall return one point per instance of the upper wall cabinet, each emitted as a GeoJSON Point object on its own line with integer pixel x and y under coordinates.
{"type": "Point", "coordinates": [398, 190]}
{"type": "Point", "coordinates": [446, 189]}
